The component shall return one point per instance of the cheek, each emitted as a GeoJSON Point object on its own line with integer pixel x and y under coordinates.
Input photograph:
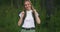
{"type": "Point", "coordinates": [29, 5]}
{"type": "Point", "coordinates": [25, 6]}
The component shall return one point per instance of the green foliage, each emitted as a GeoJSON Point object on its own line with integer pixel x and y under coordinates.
{"type": "Point", "coordinates": [9, 17]}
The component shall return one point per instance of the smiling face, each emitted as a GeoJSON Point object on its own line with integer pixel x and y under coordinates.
{"type": "Point", "coordinates": [27, 5]}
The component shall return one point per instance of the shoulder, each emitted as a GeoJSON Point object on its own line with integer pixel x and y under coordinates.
{"type": "Point", "coordinates": [21, 12]}
{"type": "Point", "coordinates": [35, 11]}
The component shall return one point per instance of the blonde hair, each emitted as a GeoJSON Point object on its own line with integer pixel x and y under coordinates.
{"type": "Point", "coordinates": [31, 5]}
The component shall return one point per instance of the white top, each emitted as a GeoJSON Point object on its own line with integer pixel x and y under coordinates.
{"type": "Point", "coordinates": [29, 21]}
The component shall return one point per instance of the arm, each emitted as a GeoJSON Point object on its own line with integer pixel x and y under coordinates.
{"type": "Point", "coordinates": [37, 18]}
{"type": "Point", "coordinates": [21, 19]}
{"type": "Point", "coordinates": [20, 22]}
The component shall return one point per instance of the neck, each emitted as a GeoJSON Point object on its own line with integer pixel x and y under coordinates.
{"type": "Point", "coordinates": [28, 9]}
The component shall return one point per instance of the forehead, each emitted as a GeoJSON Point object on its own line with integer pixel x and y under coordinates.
{"type": "Point", "coordinates": [27, 2]}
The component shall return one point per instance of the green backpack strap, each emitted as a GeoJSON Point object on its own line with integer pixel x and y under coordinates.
{"type": "Point", "coordinates": [22, 21]}
{"type": "Point", "coordinates": [23, 18]}
{"type": "Point", "coordinates": [36, 25]}
{"type": "Point", "coordinates": [33, 14]}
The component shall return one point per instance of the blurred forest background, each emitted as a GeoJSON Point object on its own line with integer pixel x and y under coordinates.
{"type": "Point", "coordinates": [49, 11]}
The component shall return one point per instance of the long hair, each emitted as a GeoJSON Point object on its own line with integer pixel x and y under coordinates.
{"type": "Point", "coordinates": [32, 8]}
{"type": "Point", "coordinates": [31, 5]}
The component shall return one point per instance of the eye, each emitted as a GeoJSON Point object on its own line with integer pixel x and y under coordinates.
{"type": "Point", "coordinates": [25, 5]}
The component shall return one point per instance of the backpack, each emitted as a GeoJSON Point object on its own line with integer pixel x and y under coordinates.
{"type": "Point", "coordinates": [24, 19]}
{"type": "Point", "coordinates": [33, 18]}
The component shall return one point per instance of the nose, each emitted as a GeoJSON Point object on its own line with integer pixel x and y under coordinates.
{"type": "Point", "coordinates": [27, 5]}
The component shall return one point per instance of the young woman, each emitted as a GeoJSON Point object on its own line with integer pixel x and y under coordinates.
{"type": "Point", "coordinates": [29, 22]}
